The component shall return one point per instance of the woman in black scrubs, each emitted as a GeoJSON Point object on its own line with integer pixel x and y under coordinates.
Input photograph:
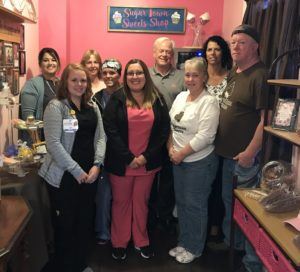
{"type": "Point", "coordinates": [76, 146]}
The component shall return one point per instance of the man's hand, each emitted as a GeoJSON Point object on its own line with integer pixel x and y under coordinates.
{"type": "Point", "coordinates": [245, 159]}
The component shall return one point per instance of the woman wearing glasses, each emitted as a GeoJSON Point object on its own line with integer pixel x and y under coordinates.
{"type": "Point", "coordinates": [137, 125]}
{"type": "Point", "coordinates": [194, 121]}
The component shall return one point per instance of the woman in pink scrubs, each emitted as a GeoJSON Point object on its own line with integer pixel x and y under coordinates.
{"type": "Point", "coordinates": [137, 126]}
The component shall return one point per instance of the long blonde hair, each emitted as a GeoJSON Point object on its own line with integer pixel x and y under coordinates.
{"type": "Point", "coordinates": [86, 56]}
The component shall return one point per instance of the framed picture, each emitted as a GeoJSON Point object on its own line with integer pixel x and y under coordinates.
{"type": "Point", "coordinates": [297, 123]}
{"type": "Point", "coordinates": [15, 82]}
{"type": "Point", "coordinates": [1, 53]}
{"type": "Point", "coordinates": [22, 62]}
{"type": "Point", "coordinates": [16, 54]}
{"type": "Point", "coordinates": [2, 77]}
{"type": "Point", "coordinates": [8, 55]}
{"type": "Point", "coordinates": [22, 38]}
{"type": "Point", "coordinates": [285, 114]}
{"type": "Point", "coordinates": [9, 76]}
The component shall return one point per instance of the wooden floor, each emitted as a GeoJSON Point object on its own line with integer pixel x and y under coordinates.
{"type": "Point", "coordinates": [210, 261]}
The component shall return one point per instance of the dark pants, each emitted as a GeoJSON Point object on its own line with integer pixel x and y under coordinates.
{"type": "Point", "coordinates": [72, 210]}
{"type": "Point", "coordinates": [215, 202]}
{"type": "Point", "coordinates": [162, 199]}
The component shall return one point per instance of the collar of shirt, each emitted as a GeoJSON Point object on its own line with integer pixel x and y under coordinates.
{"type": "Point", "coordinates": [171, 72]}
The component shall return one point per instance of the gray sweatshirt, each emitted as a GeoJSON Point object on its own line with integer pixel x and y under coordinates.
{"type": "Point", "coordinates": [60, 143]}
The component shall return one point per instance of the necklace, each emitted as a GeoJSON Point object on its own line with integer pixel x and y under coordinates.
{"type": "Point", "coordinates": [51, 89]}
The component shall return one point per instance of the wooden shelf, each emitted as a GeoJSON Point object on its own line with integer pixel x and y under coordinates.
{"type": "Point", "coordinates": [15, 16]}
{"type": "Point", "coordinates": [292, 137]}
{"type": "Point", "coordinates": [273, 225]}
{"type": "Point", "coordinates": [15, 214]}
{"type": "Point", "coordinates": [285, 82]}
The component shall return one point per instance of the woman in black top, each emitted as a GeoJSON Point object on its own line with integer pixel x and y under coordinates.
{"type": "Point", "coordinates": [137, 125]}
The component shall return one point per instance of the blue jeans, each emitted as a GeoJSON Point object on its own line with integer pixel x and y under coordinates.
{"type": "Point", "coordinates": [103, 207]}
{"type": "Point", "coordinates": [192, 181]}
{"type": "Point", "coordinates": [247, 178]}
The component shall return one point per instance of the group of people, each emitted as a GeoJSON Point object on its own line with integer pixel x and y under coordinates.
{"type": "Point", "coordinates": [161, 134]}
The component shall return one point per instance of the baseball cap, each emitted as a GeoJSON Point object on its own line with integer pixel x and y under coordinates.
{"type": "Point", "coordinates": [247, 29]}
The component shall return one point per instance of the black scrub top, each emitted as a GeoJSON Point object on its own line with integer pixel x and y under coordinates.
{"type": "Point", "coordinates": [83, 151]}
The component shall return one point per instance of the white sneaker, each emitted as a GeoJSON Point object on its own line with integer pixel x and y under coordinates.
{"type": "Point", "coordinates": [185, 257]}
{"type": "Point", "coordinates": [176, 250]}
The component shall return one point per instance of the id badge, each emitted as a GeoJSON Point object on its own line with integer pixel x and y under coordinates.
{"type": "Point", "coordinates": [70, 125]}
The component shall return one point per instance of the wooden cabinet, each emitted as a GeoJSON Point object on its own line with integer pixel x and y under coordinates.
{"type": "Point", "coordinates": [271, 238]}
{"type": "Point", "coordinates": [14, 217]}
{"type": "Point", "coordinates": [19, 12]}
{"type": "Point", "coordinates": [11, 20]}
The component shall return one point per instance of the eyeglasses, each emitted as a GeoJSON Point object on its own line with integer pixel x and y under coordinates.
{"type": "Point", "coordinates": [137, 73]}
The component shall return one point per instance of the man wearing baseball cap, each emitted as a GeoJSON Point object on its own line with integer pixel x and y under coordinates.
{"type": "Point", "coordinates": [239, 136]}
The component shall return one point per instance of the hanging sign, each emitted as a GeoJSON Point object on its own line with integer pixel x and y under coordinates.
{"type": "Point", "coordinates": [143, 19]}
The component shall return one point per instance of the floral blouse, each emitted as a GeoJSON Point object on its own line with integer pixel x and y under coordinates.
{"type": "Point", "coordinates": [217, 90]}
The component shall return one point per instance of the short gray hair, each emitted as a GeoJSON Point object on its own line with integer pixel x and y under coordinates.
{"type": "Point", "coordinates": [199, 63]}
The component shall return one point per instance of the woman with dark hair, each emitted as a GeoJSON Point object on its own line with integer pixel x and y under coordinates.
{"type": "Point", "coordinates": [39, 90]}
{"type": "Point", "coordinates": [218, 57]}
{"type": "Point", "coordinates": [92, 61]}
{"type": "Point", "coordinates": [219, 61]}
{"type": "Point", "coordinates": [137, 125]}
{"type": "Point", "coordinates": [111, 72]}
{"type": "Point", "coordinates": [75, 141]}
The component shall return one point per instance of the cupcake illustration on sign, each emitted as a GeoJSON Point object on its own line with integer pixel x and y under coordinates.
{"type": "Point", "coordinates": [117, 17]}
{"type": "Point", "coordinates": [175, 18]}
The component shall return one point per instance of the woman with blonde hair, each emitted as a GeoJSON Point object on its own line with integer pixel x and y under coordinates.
{"type": "Point", "coordinates": [137, 125]}
{"type": "Point", "coordinates": [194, 122]}
{"type": "Point", "coordinates": [92, 61]}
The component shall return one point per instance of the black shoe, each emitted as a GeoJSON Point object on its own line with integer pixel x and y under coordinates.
{"type": "Point", "coordinates": [119, 253]}
{"type": "Point", "coordinates": [146, 252]}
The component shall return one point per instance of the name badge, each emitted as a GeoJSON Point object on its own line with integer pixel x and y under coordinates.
{"type": "Point", "coordinates": [70, 125]}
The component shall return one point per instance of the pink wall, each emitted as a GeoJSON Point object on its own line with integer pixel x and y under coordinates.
{"type": "Point", "coordinates": [53, 26]}
{"type": "Point", "coordinates": [73, 26]}
{"type": "Point", "coordinates": [232, 16]}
